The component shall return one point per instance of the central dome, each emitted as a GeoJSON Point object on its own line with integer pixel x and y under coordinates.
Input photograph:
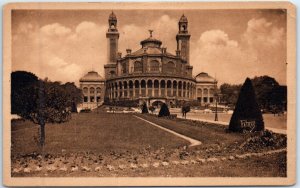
{"type": "Point", "coordinates": [151, 42]}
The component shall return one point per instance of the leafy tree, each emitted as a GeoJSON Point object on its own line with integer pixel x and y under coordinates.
{"type": "Point", "coordinates": [268, 92]}
{"type": "Point", "coordinates": [74, 95]}
{"type": "Point", "coordinates": [185, 109]}
{"type": "Point", "coordinates": [144, 108]}
{"type": "Point", "coordinates": [264, 86]}
{"type": "Point", "coordinates": [247, 113]}
{"type": "Point", "coordinates": [164, 110]}
{"type": "Point", "coordinates": [20, 81]}
{"type": "Point", "coordinates": [278, 97]}
{"type": "Point", "coordinates": [45, 102]}
{"type": "Point", "coordinates": [229, 93]}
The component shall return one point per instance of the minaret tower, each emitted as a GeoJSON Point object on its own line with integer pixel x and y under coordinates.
{"type": "Point", "coordinates": [112, 36]}
{"type": "Point", "coordinates": [183, 39]}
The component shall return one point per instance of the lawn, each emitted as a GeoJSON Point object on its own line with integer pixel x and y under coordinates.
{"type": "Point", "coordinates": [211, 134]}
{"type": "Point", "coordinates": [120, 144]}
{"type": "Point", "coordinates": [92, 132]}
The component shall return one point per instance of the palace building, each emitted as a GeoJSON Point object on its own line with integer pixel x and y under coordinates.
{"type": "Point", "coordinates": [93, 88]}
{"type": "Point", "coordinates": [151, 73]}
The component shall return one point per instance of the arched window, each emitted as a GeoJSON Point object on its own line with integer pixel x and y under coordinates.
{"type": "Point", "coordinates": [125, 84]}
{"type": "Point", "coordinates": [154, 66]}
{"type": "Point", "coordinates": [138, 66]}
{"type": "Point", "coordinates": [92, 90]}
{"type": "Point", "coordinates": [170, 67]}
{"type": "Point", "coordinates": [211, 91]}
{"type": "Point", "coordinates": [124, 68]}
{"type": "Point", "coordinates": [199, 92]}
{"type": "Point", "coordinates": [98, 90]}
{"type": "Point", "coordinates": [130, 84]}
{"type": "Point", "coordinates": [85, 90]}
{"type": "Point", "coordinates": [112, 26]}
{"type": "Point", "coordinates": [149, 85]}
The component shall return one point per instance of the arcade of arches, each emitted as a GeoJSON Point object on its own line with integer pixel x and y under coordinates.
{"type": "Point", "coordinates": [91, 94]}
{"type": "Point", "coordinates": [142, 88]}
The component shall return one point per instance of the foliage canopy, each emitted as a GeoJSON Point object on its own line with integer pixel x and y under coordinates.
{"type": "Point", "coordinates": [43, 101]}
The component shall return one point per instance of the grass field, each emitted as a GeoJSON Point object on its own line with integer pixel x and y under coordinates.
{"type": "Point", "coordinates": [107, 139]}
{"type": "Point", "coordinates": [92, 132]}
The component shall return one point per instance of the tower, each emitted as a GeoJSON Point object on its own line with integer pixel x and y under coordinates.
{"type": "Point", "coordinates": [183, 39]}
{"type": "Point", "coordinates": [112, 36]}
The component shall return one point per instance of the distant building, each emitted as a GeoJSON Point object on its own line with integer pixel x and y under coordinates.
{"type": "Point", "coordinates": [205, 88]}
{"type": "Point", "coordinates": [93, 88]}
{"type": "Point", "coordinates": [151, 73]}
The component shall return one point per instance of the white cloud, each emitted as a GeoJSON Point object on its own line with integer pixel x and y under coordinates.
{"type": "Point", "coordinates": [216, 38]}
{"type": "Point", "coordinates": [57, 62]}
{"type": "Point", "coordinates": [261, 33]}
{"type": "Point", "coordinates": [60, 53]}
{"type": "Point", "coordinates": [165, 29]}
{"type": "Point", "coordinates": [65, 54]}
{"type": "Point", "coordinates": [216, 54]}
{"type": "Point", "coordinates": [25, 28]}
{"type": "Point", "coordinates": [260, 52]}
{"type": "Point", "coordinates": [70, 72]}
{"type": "Point", "coordinates": [55, 30]}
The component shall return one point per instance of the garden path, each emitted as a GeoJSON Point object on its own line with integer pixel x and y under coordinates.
{"type": "Point", "coordinates": [191, 140]}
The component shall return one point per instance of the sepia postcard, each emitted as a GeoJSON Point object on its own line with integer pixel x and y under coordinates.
{"type": "Point", "coordinates": [149, 94]}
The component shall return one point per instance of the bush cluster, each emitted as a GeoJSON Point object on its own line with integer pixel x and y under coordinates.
{"type": "Point", "coordinates": [164, 110]}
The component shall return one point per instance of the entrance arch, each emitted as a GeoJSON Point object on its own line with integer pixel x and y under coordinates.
{"type": "Point", "coordinates": [157, 102]}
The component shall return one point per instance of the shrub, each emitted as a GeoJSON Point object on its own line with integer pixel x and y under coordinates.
{"type": "Point", "coordinates": [185, 109]}
{"type": "Point", "coordinates": [85, 110]}
{"type": "Point", "coordinates": [144, 108]}
{"type": "Point", "coordinates": [164, 110]}
{"type": "Point", "coordinates": [247, 111]}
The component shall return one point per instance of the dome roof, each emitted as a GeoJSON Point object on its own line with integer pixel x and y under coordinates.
{"type": "Point", "coordinates": [112, 16]}
{"type": "Point", "coordinates": [150, 41]}
{"type": "Point", "coordinates": [204, 77]}
{"type": "Point", "coordinates": [183, 19]}
{"type": "Point", "coordinates": [91, 76]}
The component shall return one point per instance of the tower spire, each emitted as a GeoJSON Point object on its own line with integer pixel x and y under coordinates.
{"type": "Point", "coordinates": [183, 39]}
{"type": "Point", "coordinates": [150, 31]}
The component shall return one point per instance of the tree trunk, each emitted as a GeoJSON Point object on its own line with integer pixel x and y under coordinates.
{"type": "Point", "coordinates": [42, 139]}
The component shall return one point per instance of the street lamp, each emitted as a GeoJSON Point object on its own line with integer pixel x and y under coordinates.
{"type": "Point", "coordinates": [216, 100]}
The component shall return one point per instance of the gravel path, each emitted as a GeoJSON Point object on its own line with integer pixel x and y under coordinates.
{"type": "Point", "coordinates": [191, 140]}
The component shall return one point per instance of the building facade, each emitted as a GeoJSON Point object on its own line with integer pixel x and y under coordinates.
{"type": "Point", "coordinates": [205, 88]}
{"type": "Point", "coordinates": [151, 73]}
{"type": "Point", "coordinates": [93, 88]}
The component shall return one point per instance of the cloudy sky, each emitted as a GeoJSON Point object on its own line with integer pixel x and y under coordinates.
{"type": "Point", "coordinates": [231, 44]}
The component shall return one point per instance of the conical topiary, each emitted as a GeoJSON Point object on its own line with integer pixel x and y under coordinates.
{"type": "Point", "coordinates": [247, 114]}
{"type": "Point", "coordinates": [164, 110]}
{"type": "Point", "coordinates": [144, 109]}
